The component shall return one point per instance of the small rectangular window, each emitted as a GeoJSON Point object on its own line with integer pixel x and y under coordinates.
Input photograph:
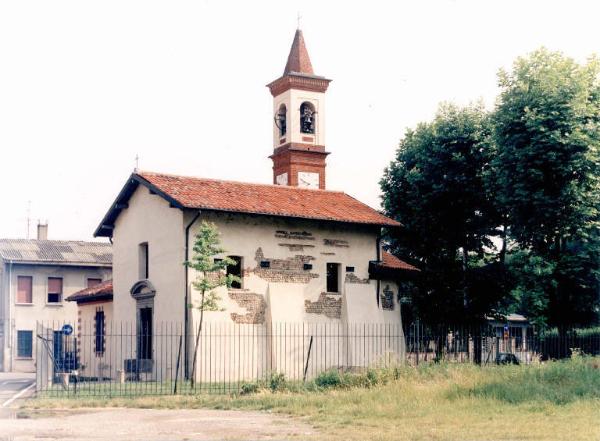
{"type": "Point", "coordinates": [24, 285]}
{"type": "Point", "coordinates": [99, 321]}
{"type": "Point", "coordinates": [235, 270]}
{"type": "Point", "coordinates": [333, 275]}
{"type": "Point", "coordinates": [265, 264]}
{"type": "Point", "coordinates": [307, 266]}
{"type": "Point", "coordinates": [144, 262]}
{"type": "Point", "coordinates": [93, 282]}
{"type": "Point", "coordinates": [55, 289]}
{"type": "Point", "coordinates": [25, 344]}
{"type": "Point", "coordinates": [349, 269]}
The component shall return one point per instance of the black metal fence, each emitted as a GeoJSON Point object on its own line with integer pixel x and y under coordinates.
{"type": "Point", "coordinates": [118, 359]}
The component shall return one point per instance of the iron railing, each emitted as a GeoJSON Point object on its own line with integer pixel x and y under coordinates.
{"type": "Point", "coordinates": [105, 361]}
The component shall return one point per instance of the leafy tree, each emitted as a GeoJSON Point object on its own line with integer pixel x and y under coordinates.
{"type": "Point", "coordinates": [211, 274]}
{"type": "Point", "coordinates": [436, 188]}
{"type": "Point", "coordinates": [547, 173]}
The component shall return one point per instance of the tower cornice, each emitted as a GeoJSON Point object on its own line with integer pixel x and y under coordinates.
{"type": "Point", "coordinates": [298, 81]}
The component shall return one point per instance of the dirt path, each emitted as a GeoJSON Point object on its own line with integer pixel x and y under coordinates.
{"type": "Point", "coordinates": [151, 425]}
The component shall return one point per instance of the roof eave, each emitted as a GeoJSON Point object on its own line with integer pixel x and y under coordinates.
{"type": "Point", "coordinates": [107, 224]}
{"type": "Point", "coordinates": [289, 216]}
{"type": "Point", "coordinates": [57, 263]}
{"type": "Point", "coordinates": [90, 298]}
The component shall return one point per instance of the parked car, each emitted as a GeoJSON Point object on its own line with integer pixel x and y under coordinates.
{"type": "Point", "coordinates": [506, 358]}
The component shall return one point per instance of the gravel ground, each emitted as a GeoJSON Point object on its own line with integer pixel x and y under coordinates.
{"type": "Point", "coordinates": [150, 425]}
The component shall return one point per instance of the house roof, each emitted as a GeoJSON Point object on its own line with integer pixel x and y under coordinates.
{"type": "Point", "coordinates": [388, 260]}
{"type": "Point", "coordinates": [240, 197]}
{"type": "Point", "coordinates": [56, 252]}
{"type": "Point", "coordinates": [298, 60]}
{"type": "Point", "coordinates": [390, 267]}
{"type": "Point", "coordinates": [102, 291]}
{"type": "Point", "coordinates": [508, 318]}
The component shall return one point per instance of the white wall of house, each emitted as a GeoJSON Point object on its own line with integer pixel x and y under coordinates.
{"type": "Point", "coordinates": [149, 219]}
{"type": "Point", "coordinates": [293, 302]}
{"type": "Point", "coordinates": [25, 316]}
{"type": "Point", "coordinates": [96, 362]}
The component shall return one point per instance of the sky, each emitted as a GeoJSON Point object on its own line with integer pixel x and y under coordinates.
{"type": "Point", "coordinates": [86, 86]}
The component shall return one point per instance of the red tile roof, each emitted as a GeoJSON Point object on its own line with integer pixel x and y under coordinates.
{"type": "Point", "coordinates": [275, 200]}
{"type": "Point", "coordinates": [102, 291]}
{"type": "Point", "coordinates": [298, 60]}
{"type": "Point", "coordinates": [391, 261]}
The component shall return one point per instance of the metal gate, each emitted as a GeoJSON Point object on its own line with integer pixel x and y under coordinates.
{"type": "Point", "coordinates": [56, 354]}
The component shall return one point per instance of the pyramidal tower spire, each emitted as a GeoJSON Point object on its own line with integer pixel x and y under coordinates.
{"type": "Point", "coordinates": [298, 60]}
{"type": "Point", "coordinates": [299, 121]}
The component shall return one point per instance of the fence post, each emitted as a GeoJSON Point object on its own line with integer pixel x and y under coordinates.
{"type": "Point", "coordinates": [177, 366]}
{"type": "Point", "coordinates": [307, 359]}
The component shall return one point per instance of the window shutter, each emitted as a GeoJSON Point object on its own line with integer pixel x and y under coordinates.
{"type": "Point", "coordinates": [24, 289]}
{"type": "Point", "coordinates": [55, 285]}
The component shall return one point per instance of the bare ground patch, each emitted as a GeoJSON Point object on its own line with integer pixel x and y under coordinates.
{"type": "Point", "coordinates": [119, 424]}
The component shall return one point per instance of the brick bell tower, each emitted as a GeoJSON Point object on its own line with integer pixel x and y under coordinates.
{"type": "Point", "coordinates": [299, 121]}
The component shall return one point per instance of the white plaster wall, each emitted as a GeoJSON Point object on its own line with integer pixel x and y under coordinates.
{"type": "Point", "coordinates": [99, 365]}
{"type": "Point", "coordinates": [243, 235]}
{"type": "Point", "coordinates": [51, 315]}
{"type": "Point", "coordinates": [149, 218]}
{"type": "Point", "coordinates": [287, 325]}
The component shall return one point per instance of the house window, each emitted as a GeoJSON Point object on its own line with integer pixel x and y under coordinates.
{"type": "Point", "coordinates": [235, 270]}
{"type": "Point", "coordinates": [333, 277]}
{"type": "Point", "coordinates": [55, 289]}
{"type": "Point", "coordinates": [24, 284]}
{"type": "Point", "coordinates": [99, 334]}
{"type": "Point", "coordinates": [24, 344]}
{"type": "Point", "coordinates": [144, 265]}
{"type": "Point", "coordinates": [93, 282]}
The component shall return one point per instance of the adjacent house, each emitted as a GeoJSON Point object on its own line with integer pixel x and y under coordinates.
{"type": "Point", "coordinates": [36, 276]}
{"type": "Point", "coordinates": [304, 254]}
{"type": "Point", "coordinates": [94, 322]}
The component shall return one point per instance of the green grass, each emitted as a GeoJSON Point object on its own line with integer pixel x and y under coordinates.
{"type": "Point", "coordinates": [554, 401]}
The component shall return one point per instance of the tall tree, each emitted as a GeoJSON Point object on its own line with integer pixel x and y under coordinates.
{"type": "Point", "coordinates": [436, 188]}
{"type": "Point", "coordinates": [210, 267]}
{"type": "Point", "coordinates": [547, 172]}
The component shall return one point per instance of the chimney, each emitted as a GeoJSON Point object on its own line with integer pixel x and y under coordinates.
{"type": "Point", "coordinates": [42, 231]}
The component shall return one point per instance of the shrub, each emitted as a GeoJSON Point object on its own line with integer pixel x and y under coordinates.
{"type": "Point", "coordinates": [328, 379]}
{"type": "Point", "coordinates": [276, 382]}
{"type": "Point", "coordinates": [249, 388]}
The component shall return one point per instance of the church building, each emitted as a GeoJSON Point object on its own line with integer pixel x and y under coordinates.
{"type": "Point", "coordinates": [304, 254]}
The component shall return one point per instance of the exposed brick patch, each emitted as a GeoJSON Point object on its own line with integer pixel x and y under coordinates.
{"type": "Point", "coordinates": [330, 306]}
{"type": "Point", "coordinates": [336, 243]}
{"type": "Point", "coordinates": [387, 298]}
{"type": "Point", "coordinates": [353, 278]}
{"type": "Point", "coordinates": [328, 254]}
{"type": "Point", "coordinates": [296, 246]}
{"type": "Point", "coordinates": [254, 304]}
{"type": "Point", "coordinates": [299, 235]}
{"type": "Point", "coordinates": [290, 270]}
